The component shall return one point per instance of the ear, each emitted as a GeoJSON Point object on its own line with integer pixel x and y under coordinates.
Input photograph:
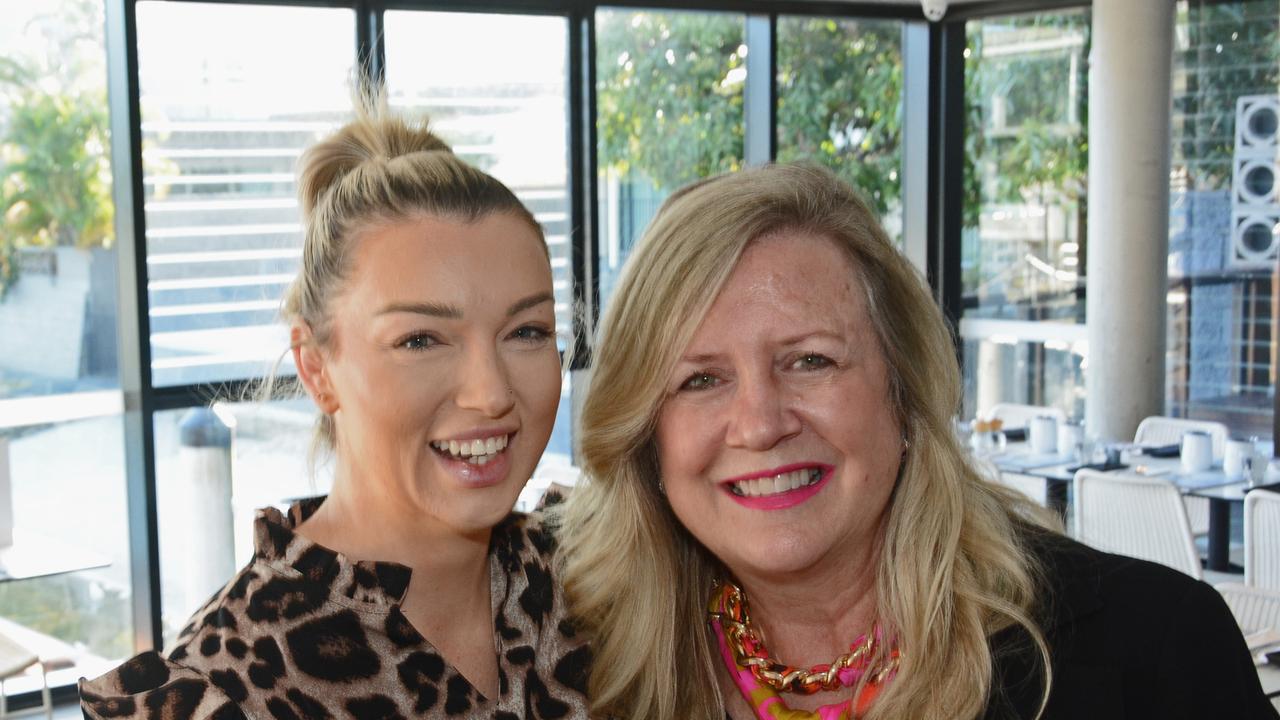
{"type": "Point", "coordinates": [309, 359]}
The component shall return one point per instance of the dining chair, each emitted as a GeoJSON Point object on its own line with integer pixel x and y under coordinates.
{"type": "Point", "coordinates": [1262, 539]}
{"type": "Point", "coordinates": [1013, 415]}
{"type": "Point", "coordinates": [1255, 609]}
{"type": "Point", "coordinates": [1161, 430]}
{"type": "Point", "coordinates": [14, 661]}
{"type": "Point", "coordinates": [1134, 515]}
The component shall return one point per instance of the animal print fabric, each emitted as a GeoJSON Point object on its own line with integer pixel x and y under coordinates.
{"type": "Point", "coordinates": [303, 633]}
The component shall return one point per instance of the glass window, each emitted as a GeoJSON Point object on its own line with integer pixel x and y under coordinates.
{"type": "Point", "coordinates": [840, 103]}
{"type": "Point", "coordinates": [231, 94]}
{"type": "Point", "coordinates": [65, 585]}
{"type": "Point", "coordinates": [507, 118]}
{"type": "Point", "coordinates": [214, 468]}
{"type": "Point", "coordinates": [1023, 245]}
{"type": "Point", "coordinates": [1224, 218]}
{"type": "Point", "coordinates": [669, 92]}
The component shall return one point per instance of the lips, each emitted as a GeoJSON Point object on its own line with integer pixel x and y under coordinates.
{"type": "Point", "coordinates": [779, 488]}
{"type": "Point", "coordinates": [478, 458]}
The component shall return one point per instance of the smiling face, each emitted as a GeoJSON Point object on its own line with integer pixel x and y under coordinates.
{"type": "Point", "coordinates": [441, 372]}
{"type": "Point", "coordinates": [777, 441]}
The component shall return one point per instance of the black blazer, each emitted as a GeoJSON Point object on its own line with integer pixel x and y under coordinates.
{"type": "Point", "coordinates": [1128, 639]}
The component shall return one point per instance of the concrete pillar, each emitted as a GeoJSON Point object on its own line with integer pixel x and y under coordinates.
{"type": "Point", "coordinates": [1129, 90]}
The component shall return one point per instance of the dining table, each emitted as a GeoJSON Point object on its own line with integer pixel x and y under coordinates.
{"type": "Point", "coordinates": [1222, 491]}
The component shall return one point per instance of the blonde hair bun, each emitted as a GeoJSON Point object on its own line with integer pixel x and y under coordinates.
{"type": "Point", "coordinates": [376, 134]}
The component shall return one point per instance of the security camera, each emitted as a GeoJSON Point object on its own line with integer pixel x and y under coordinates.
{"type": "Point", "coordinates": [934, 9]}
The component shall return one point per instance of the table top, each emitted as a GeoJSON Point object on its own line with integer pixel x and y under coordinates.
{"type": "Point", "coordinates": [34, 555]}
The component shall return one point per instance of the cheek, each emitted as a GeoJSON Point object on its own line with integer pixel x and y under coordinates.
{"type": "Point", "coordinates": [683, 447]}
{"type": "Point", "coordinates": [536, 379]}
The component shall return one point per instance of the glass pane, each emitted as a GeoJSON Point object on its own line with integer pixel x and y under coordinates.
{"type": "Point", "coordinates": [1023, 245]}
{"type": "Point", "coordinates": [669, 90]}
{"type": "Point", "coordinates": [65, 584]}
{"type": "Point", "coordinates": [214, 469]}
{"type": "Point", "coordinates": [1224, 218]}
{"type": "Point", "coordinates": [1002, 369]}
{"type": "Point", "coordinates": [57, 246]}
{"type": "Point", "coordinates": [508, 118]}
{"type": "Point", "coordinates": [228, 103]}
{"type": "Point", "coordinates": [840, 103]}
{"type": "Point", "coordinates": [69, 545]}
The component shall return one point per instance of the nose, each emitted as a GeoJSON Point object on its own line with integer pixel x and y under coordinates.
{"type": "Point", "coordinates": [759, 415]}
{"type": "Point", "coordinates": [484, 385]}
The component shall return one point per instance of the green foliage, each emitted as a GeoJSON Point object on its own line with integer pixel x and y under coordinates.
{"type": "Point", "coordinates": [1038, 145]}
{"type": "Point", "coordinates": [54, 176]}
{"type": "Point", "coordinates": [56, 182]}
{"type": "Point", "coordinates": [839, 100]}
{"type": "Point", "coordinates": [74, 609]}
{"type": "Point", "coordinates": [669, 94]}
{"type": "Point", "coordinates": [1229, 50]}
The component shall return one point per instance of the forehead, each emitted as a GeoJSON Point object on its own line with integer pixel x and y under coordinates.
{"type": "Point", "coordinates": [497, 253]}
{"type": "Point", "coordinates": [794, 276]}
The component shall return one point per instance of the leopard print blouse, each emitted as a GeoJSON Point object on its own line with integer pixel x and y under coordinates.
{"type": "Point", "coordinates": [304, 633]}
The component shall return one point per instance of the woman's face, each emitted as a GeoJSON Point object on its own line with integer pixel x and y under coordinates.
{"type": "Point", "coordinates": [777, 442]}
{"type": "Point", "coordinates": [443, 365]}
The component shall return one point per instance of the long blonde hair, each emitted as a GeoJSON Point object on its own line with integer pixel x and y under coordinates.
{"type": "Point", "coordinates": [953, 569]}
{"type": "Point", "coordinates": [381, 167]}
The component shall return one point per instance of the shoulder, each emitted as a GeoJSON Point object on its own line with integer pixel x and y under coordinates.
{"type": "Point", "coordinates": [1078, 580]}
{"type": "Point", "coordinates": [1123, 636]}
{"type": "Point", "coordinates": [149, 685]}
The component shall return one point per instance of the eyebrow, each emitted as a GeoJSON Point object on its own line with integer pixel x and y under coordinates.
{"type": "Point", "coordinates": [712, 358]}
{"type": "Point", "coordinates": [452, 312]}
{"type": "Point", "coordinates": [529, 302]}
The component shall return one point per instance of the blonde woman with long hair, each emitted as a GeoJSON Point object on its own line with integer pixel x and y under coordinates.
{"type": "Point", "coordinates": [423, 328]}
{"type": "Point", "coordinates": [778, 521]}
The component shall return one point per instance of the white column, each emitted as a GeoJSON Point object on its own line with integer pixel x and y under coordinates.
{"type": "Point", "coordinates": [1129, 89]}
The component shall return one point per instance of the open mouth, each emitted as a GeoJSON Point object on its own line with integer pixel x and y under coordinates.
{"type": "Point", "coordinates": [776, 484]}
{"type": "Point", "coordinates": [476, 452]}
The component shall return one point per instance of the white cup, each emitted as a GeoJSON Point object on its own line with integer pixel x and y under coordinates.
{"type": "Point", "coordinates": [1197, 451]}
{"type": "Point", "coordinates": [1071, 441]}
{"type": "Point", "coordinates": [1236, 454]}
{"type": "Point", "coordinates": [1042, 435]}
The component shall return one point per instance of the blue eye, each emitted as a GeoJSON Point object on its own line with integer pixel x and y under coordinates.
{"type": "Point", "coordinates": [698, 381]}
{"type": "Point", "coordinates": [530, 333]}
{"type": "Point", "coordinates": [418, 341]}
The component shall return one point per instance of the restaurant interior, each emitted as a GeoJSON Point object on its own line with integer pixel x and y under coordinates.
{"type": "Point", "coordinates": [1091, 189]}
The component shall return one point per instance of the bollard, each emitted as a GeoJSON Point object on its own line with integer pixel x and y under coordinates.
{"type": "Point", "coordinates": [205, 507]}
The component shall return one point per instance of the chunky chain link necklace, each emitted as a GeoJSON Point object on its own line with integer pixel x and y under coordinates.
{"type": "Point", "coordinates": [760, 677]}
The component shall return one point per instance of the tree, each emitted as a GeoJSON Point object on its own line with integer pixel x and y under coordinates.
{"type": "Point", "coordinates": [839, 100]}
{"type": "Point", "coordinates": [54, 175]}
{"type": "Point", "coordinates": [669, 94]}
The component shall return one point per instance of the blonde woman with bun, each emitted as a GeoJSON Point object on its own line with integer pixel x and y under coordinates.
{"type": "Point", "coordinates": [422, 326]}
{"type": "Point", "coordinates": [777, 521]}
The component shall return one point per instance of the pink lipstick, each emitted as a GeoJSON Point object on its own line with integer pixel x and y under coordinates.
{"type": "Point", "coordinates": [814, 477]}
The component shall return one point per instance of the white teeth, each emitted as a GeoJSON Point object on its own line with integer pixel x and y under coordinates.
{"type": "Point", "coordinates": [784, 482]}
{"type": "Point", "coordinates": [473, 450]}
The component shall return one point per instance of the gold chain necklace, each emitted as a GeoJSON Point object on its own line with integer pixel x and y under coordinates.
{"type": "Point", "coordinates": [729, 607]}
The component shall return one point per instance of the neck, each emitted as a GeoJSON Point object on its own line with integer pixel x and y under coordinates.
{"type": "Point", "coordinates": [812, 616]}
{"type": "Point", "coordinates": [362, 522]}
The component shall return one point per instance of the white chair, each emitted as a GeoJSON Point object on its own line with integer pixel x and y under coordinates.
{"type": "Point", "coordinates": [1262, 539]}
{"type": "Point", "coordinates": [1012, 415]}
{"type": "Point", "coordinates": [16, 660]}
{"type": "Point", "coordinates": [1160, 430]}
{"type": "Point", "coordinates": [1134, 515]}
{"type": "Point", "coordinates": [1256, 609]}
